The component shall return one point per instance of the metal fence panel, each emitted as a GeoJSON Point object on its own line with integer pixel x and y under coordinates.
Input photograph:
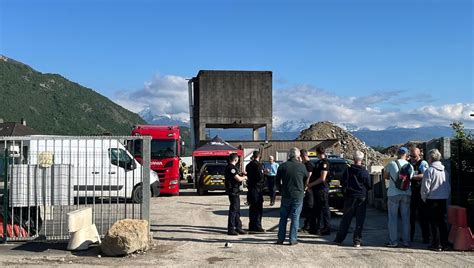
{"type": "Point", "coordinates": [45, 177]}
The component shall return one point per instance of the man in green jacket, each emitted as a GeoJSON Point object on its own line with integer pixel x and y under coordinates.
{"type": "Point", "coordinates": [293, 176]}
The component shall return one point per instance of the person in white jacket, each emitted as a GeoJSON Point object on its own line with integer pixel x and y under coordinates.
{"type": "Point", "coordinates": [435, 190]}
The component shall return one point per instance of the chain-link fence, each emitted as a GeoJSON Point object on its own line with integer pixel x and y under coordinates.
{"type": "Point", "coordinates": [45, 177]}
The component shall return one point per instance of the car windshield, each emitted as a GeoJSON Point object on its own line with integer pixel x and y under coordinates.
{"type": "Point", "coordinates": [159, 148]}
{"type": "Point", "coordinates": [337, 167]}
{"type": "Point", "coordinates": [214, 170]}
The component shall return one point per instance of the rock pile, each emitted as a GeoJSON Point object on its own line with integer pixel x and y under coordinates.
{"type": "Point", "coordinates": [347, 143]}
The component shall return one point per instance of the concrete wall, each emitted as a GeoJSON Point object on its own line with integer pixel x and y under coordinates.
{"type": "Point", "coordinates": [232, 99]}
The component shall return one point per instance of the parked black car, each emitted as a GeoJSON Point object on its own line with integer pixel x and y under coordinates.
{"type": "Point", "coordinates": [211, 177]}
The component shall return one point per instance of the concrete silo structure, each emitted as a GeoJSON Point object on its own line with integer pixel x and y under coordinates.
{"type": "Point", "coordinates": [230, 99]}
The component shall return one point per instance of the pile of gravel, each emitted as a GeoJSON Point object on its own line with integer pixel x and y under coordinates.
{"type": "Point", "coordinates": [347, 143]}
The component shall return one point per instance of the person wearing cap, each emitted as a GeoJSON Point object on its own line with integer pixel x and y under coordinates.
{"type": "Point", "coordinates": [318, 185]}
{"type": "Point", "coordinates": [398, 200]}
{"type": "Point", "coordinates": [255, 184]}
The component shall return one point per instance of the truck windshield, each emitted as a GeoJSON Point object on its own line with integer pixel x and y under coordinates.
{"type": "Point", "coordinates": [163, 149]}
{"type": "Point", "coordinates": [159, 148]}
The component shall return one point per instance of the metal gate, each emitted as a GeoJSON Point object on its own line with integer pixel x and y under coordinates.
{"type": "Point", "coordinates": [44, 177]}
{"type": "Point", "coordinates": [462, 174]}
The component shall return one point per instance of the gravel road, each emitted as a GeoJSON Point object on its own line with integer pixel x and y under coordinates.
{"type": "Point", "coordinates": [190, 230]}
{"type": "Point", "coordinates": [196, 227]}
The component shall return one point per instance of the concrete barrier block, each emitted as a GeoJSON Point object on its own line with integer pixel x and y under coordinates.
{"type": "Point", "coordinates": [83, 238]}
{"type": "Point", "coordinates": [79, 219]}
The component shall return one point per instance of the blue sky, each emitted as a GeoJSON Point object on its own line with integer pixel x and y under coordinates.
{"type": "Point", "coordinates": [406, 57]}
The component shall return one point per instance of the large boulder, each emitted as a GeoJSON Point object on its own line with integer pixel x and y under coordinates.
{"type": "Point", "coordinates": [126, 237]}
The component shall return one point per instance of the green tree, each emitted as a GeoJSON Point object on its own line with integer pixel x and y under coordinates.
{"type": "Point", "coordinates": [460, 132]}
{"type": "Point", "coordinates": [464, 138]}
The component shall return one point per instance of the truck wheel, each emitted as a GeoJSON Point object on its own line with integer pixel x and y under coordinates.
{"type": "Point", "coordinates": [137, 194]}
{"type": "Point", "coordinates": [201, 191]}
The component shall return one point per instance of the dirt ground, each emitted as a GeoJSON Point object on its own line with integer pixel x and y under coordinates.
{"type": "Point", "coordinates": [190, 230]}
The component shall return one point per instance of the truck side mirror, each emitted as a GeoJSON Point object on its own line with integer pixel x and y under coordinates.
{"type": "Point", "coordinates": [131, 165]}
{"type": "Point", "coordinates": [183, 149]}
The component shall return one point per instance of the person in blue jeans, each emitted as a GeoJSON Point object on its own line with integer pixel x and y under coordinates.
{"type": "Point", "coordinates": [292, 175]}
{"type": "Point", "coordinates": [356, 182]}
{"type": "Point", "coordinates": [398, 200]}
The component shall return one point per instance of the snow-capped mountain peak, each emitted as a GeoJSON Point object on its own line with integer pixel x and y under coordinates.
{"type": "Point", "coordinates": [293, 126]}
{"type": "Point", "coordinates": [165, 119]}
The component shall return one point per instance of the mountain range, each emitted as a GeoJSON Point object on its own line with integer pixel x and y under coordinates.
{"type": "Point", "coordinates": [51, 104]}
{"type": "Point", "coordinates": [290, 130]}
{"type": "Point", "coordinates": [166, 120]}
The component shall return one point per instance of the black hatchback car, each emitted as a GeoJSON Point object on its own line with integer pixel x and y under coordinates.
{"type": "Point", "coordinates": [337, 166]}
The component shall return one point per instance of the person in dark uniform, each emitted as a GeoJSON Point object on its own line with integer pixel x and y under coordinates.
{"type": "Point", "coordinates": [318, 185]}
{"type": "Point", "coordinates": [233, 181]}
{"type": "Point", "coordinates": [308, 196]}
{"type": "Point", "coordinates": [417, 206]}
{"type": "Point", "coordinates": [255, 183]}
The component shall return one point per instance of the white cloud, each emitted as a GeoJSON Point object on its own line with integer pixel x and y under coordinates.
{"type": "Point", "coordinates": [168, 95]}
{"type": "Point", "coordinates": [315, 105]}
{"type": "Point", "coordinates": [165, 95]}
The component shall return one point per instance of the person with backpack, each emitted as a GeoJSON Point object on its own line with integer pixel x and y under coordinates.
{"type": "Point", "coordinates": [398, 173]}
{"type": "Point", "coordinates": [356, 182]}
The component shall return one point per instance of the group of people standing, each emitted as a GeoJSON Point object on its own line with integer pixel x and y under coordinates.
{"type": "Point", "coordinates": [304, 191]}
{"type": "Point", "coordinates": [256, 176]}
{"type": "Point", "coordinates": [308, 183]}
{"type": "Point", "coordinates": [425, 199]}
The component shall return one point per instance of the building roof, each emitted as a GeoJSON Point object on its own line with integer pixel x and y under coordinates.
{"type": "Point", "coordinates": [16, 129]}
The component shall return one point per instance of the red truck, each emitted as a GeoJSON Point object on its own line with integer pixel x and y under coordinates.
{"type": "Point", "coordinates": [165, 152]}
